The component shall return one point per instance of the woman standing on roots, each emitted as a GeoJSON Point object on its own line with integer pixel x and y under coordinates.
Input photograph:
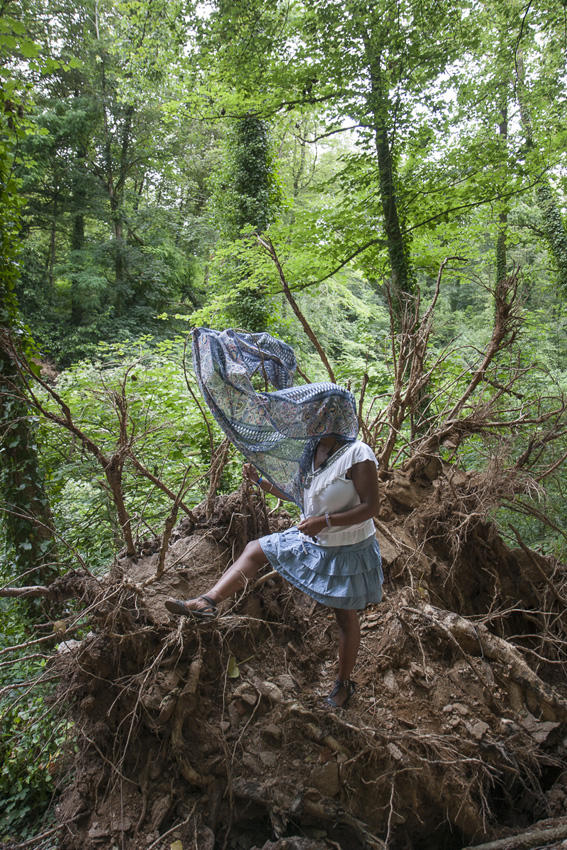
{"type": "Point", "coordinates": [300, 444]}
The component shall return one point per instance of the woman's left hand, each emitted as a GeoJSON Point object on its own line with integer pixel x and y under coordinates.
{"type": "Point", "coordinates": [312, 525]}
{"type": "Point", "coordinates": [250, 472]}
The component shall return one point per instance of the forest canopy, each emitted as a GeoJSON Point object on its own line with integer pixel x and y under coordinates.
{"type": "Point", "coordinates": [381, 185]}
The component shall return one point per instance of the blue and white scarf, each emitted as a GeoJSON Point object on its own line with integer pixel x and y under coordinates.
{"type": "Point", "coordinates": [276, 431]}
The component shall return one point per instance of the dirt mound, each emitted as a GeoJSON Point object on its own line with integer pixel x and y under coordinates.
{"type": "Point", "coordinates": [212, 736]}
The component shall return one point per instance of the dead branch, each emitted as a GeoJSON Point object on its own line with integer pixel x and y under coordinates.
{"type": "Point", "coordinates": [38, 838]}
{"type": "Point", "coordinates": [409, 350]}
{"type": "Point", "coordinates": [452, 426]}
{"type": "Point", "coordinates": [557, 596]}
{"type": "Point", "coordinates": [60, 539]}
{"type": "Point", "coordinates": [520, 507]}
{"type": "Point", "coordinates": [160, 484]}
{"type": "Point", "coordinates": [411, 377]}
{"type": "Point", "coordinates": [507, 323]}
{"type": "Point", "coordinates": [22, 658]}
{"type": "Point", "coordinates": [32, 592]}
{"type": "Point", "coordinates": [173, 828]}
{"type": "Point", "coordinates": [168, 528]}
{"type": "Point", "coordinates": [218, 462]}
{"type": "Point", "coordinates": [169, 525]}
{"type": "Point", "coordinates": [55, 636]}
{"type": "Point", "coordinates": [111, 464]}
{"type": "Point", "coordinates": [29, 683]}
{"type": "Point", "coordinates": [266, 243]}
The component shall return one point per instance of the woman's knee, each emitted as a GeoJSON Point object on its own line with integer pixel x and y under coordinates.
{"type": "Point", "coordinates": [254, 552]}
{"type": "Point", "coordinates": [346, 617]}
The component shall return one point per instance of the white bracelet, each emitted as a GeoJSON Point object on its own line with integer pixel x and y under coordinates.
{"type": "Point", "coordinates": [328, 518]}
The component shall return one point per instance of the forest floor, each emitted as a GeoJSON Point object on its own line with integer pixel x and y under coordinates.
{"type": "Point", "coordinates": [212, 735]}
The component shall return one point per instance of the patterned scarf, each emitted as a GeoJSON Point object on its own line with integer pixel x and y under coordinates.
{"type": "Point", "coordinates": [276, 431]}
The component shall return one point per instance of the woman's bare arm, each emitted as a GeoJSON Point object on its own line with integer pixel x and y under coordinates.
{"type": "Point", "coordinates": [250, 472]}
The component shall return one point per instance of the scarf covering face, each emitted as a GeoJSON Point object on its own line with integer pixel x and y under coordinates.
{"type": "Point", "coordinates": [277, 431]}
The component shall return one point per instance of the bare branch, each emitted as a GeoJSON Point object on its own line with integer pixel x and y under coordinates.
{"type": "Point", "coordinates": [160, 484]}
{"type": "Point", "coordinates": [269, 248]}
{"type": "Point", "coordinates": [32, 592]}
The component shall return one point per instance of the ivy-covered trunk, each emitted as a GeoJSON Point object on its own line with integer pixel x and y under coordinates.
{"type": "Point", "coordinates": [253, 188]}
{"type": "Point", "coordinates": [26, 515]}
{"type": "Point", "coordinates": [403, 278]}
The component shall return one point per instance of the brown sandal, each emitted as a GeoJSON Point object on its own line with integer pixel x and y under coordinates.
{"type": "Point", "coordinates": [207, 612]}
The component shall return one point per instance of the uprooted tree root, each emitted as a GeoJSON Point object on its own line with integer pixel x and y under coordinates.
{"type": "Point", "coordinates": [212, 734]}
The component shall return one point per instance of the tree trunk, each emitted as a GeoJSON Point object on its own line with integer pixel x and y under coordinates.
{"type": "Point", "coordinates": [501, 264]}
{"type": "Point", "coordinates": [546, 199]}
{"type": "Point", "coordinates": [77, 240]}
{"type": "Point", "coordinates": [52, 244]}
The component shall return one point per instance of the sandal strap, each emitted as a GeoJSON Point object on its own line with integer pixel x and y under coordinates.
{"type": "Point", "coordinates": [340, 683]}
{"type": "Point", "coordinates": [210, 601]}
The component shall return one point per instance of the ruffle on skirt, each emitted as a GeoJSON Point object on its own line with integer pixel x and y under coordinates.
{"type": "Point", "coordinates": [338, 576]}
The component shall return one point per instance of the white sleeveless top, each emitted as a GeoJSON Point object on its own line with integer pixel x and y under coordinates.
{"type": "Point", "coordinates": [329, 489]}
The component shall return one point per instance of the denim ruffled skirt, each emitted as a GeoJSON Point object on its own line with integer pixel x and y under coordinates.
{"type": "Point", "coordinates": [338, 576]}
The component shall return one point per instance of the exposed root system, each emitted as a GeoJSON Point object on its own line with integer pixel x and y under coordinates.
{"type": "Point", "coordinates": [212, 734]}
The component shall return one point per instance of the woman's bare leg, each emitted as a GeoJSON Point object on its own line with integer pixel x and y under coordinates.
{"type": "Point", "coordinates": [349, 643]}
{"type": "Point", "coordinates": [236, 577]}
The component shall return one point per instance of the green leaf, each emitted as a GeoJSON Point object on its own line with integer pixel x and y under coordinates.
{"type": "Point", "coordinates": [232, 670]}
{"type": "Point", "coordinates": [29, 49]}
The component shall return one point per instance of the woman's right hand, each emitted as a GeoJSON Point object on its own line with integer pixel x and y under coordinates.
{"type": "Point", "coordinates": [250, 472]}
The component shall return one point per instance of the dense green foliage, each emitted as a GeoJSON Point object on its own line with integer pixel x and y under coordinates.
{"type": "Point", "coordinates": [145, 147]}
{"type": "Point", "coordinates": [27, 524]}
{"type": "Point", "coordinates": [31, 735]}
